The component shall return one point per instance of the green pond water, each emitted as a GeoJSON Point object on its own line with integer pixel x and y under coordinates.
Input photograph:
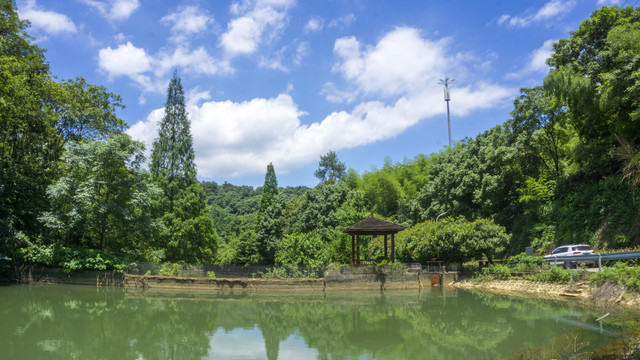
{"type": "Point", "coordinates": [78, 322]}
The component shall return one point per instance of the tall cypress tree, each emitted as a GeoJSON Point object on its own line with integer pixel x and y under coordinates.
{"type": "Point", "coordinates": [172, 157]}
{"type": "Point", "coordinates": [189, 234]}
{"type": "Point", "coordinates": [268, 229]}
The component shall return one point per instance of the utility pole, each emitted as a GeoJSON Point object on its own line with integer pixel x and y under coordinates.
{"type": "Point", "coordinates": [446, 82]}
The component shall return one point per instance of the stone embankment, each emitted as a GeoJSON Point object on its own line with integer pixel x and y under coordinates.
{"type": "Point", "coordinates": [331, 282]}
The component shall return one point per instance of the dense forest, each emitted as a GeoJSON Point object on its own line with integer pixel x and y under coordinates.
{"type": "Point", "coordinates": [77, 192]}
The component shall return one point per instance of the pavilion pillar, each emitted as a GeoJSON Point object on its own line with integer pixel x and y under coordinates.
{"type": "Point", "coordinates": [385, 247]}
{"type": "Point", "coordinates": [358, 249]}
{"type": "Point", "coordinates": [353, 250]}
{"type": "Point", "coordinates": [393, 248]}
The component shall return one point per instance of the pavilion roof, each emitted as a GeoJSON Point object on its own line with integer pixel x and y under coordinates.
{"type": "Point", "coordinates": [373, 226]}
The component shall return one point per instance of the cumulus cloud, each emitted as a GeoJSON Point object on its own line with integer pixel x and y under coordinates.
{"type": "Point", "coordinates": [197, 61]}
{"type": "Point", "coordinates": [258, 21]}
{"type": "Point", "coordinates": [124, 60]}
{"type": "Point", "coordinates": [137, 64]}
{"type": "Point", "coordinates": [114, 9]}
{"type": "Point", "coordinates": [189, 20]}
{"type": "Point", "coordinates": [400, 62]}
{"type": "Point", "coordinates": [550, 10]}
{"type": "Point", "coordinates": [50, 22]}
{"type": "Point", "coordinates": [239, 138]}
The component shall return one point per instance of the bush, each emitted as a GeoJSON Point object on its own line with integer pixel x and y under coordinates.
{"type": "Point", "coordinates": [523, 263]}
{"type": "Point", "coordinates": [71, 259]}
{"type": "Point", "coordinates": [211, 274]}
{"type": "Point", "coordinates": [621, 274]}
{"type": "Point", "coordinates": [495, 271]}
{"type": "Point", "coordinates": [169, 269]}
{"type": "Point", "coordinates": [554, 275]}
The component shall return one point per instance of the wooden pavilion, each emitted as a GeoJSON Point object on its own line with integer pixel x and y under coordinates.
{"type": "Point", "coordinates": [372, 226]}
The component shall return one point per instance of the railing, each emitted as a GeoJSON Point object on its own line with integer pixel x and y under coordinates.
{"type": "Point", "coordinates": [623, 255]}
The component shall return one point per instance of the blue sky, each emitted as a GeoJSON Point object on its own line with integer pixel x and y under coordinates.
{"type": "Point", "coordinates": [285, 81]}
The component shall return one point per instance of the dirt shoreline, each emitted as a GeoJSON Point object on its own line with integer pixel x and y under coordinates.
{"type": "Point", "coordinates": [605, 295]}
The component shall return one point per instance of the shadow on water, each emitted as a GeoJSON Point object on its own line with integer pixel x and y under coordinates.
{"type": "Point", "coordinates": [63, 322]}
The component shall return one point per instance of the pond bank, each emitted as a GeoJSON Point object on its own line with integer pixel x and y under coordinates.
{"type": "Point", "coordinates": [604, 295]}
{"type": "Point", "coordinates": [331, 282]}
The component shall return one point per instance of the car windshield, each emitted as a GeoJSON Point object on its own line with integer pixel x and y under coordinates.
{"type": "Point", "coordinates": [583, 248]}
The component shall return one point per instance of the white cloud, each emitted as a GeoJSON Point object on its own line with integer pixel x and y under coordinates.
{"type": "Point", "coordinates": [239, 138]}
{"type": "Point", "coordinates": [190, 20]}
{"type": "Point", "coordinates": [197, 61]}
{"type": "Point", "coordinates": [400, 62]}
{"type": "Point", "coordinates": [50, 22]}
{"type": "Point", "coordinates": [128, 60]}
{"type": "Point", "coordinates": [302, 51]}
{"type": "Point", "coordinates": [334, 95]}
{"type": "Point", "coordinates": [272, 63]}
{"type": "Point", "coordinates": [537, 60]}
{"type": "Point", "coordinates": [343, 21]}
{"type": "Point", "coordinates": [315, 24]}
{"type": "Point", "coordinates": [262, 20]}
{"type": "Point", "coordinates": [114, 9]}
{"type": "Point", "coordinates": [124, 60]}
{"type": "Point", "coordinates": [235, 139]}
{"type": "Point", "coordinates": [550, 10]}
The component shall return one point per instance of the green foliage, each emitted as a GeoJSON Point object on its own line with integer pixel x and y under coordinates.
{"type": "Point", "coordinates": [330, 169]}
{"type": "Point", "coordinates": [554, 275]}
{"type": "Point", "coordinates": [104, 199]}
{"type": "Point", "coordinates": [189, 234]}
{"type": "Point", "coordinates": [71, 259]}
{"type": "Point", "coordinates": [269, 217]}
{"type": "Point", "coordinates": [621, 274]}
{"type": "Point", "coordinates": [495, 272]}
{"type": "Point", "coordinates": [169, 269]}
{"type": "Point", "coordinates": [451, 240]}
{"type": "Point", "coordinates": [211, 274]}
{"type": "Point", "coordinates": [523, 263]}
{"type": "Point", "coordinates": [307, 252]}
{"type": "Point", "coordinates": [172, 155]}
{"type": "Point", "coordinates": [300, 256]}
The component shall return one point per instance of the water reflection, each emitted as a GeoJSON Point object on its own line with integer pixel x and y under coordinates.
{"type": "Point", "coordinates": [66, 322]}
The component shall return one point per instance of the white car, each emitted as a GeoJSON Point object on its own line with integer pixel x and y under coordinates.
{"type": "Point", "coordinates": [569, 250]}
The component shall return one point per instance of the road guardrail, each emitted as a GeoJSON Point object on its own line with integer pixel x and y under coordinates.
{"type": "Point", "coordinates": [623, 255]}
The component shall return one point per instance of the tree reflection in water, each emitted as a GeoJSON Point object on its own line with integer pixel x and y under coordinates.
{"type": "Point", "coordinates": [64, 322]}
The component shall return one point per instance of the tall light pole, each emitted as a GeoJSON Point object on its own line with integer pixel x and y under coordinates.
{"type": "Point", "coordinates": [446, 82]}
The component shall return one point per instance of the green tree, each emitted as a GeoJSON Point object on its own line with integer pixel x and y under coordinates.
{"type": "Point", "coordinates": [330, 169]}
{"type": "Point", "coordinates": [104, 199]}
{"type": "Point", "coordinates": [269, 190]}
{"type": "Point", "coordinates": [172, 155]}
{"type": "Point", "coordinates": [595, 75]}
{"type": "Point", "coordinates": [270, 212]}
{"type": "Point", "coordinates": [29, 145]}
{"type": "Point", "coordinates": [189, 234]}
{"type": "Point", "coordinates": [87, 112]}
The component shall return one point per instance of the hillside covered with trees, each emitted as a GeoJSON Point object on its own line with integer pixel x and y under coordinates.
{"type": "Point", "coordinates": [564, 168]}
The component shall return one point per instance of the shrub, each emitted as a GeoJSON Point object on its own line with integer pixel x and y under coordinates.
{"type": "Point", "coordinates": [523, 263]}
{"type": "Point", "coordinates": [211, 274]}
{"type": "Point", "coordinates": [554, 275]}
{"type": "Point", "coordinates": [495, 271]}
{"type": "Point", "coordinates": [620, 273]}
{"type": "Point", "coordinates": [169, 269]}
